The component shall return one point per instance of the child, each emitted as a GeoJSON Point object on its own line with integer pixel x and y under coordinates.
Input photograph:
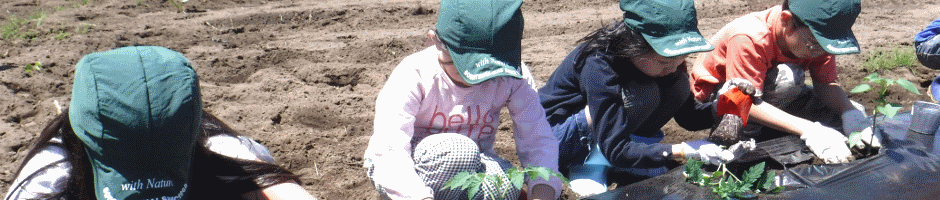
{"type": "Point", "coordinates": [135, 130]}
{"type": "Point", "coordinates": [438, 113]}
{"type": "Point", "coordinates": [610, 97]}
{"type": "Point", "coordinates": [771, 49]}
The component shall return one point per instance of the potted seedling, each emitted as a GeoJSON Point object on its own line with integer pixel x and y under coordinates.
{"type": "Point", "coordinates": [472, 182]}
{"type": "Point", "coordinates": [726, 185]}
{"type": "Point", "coordinates": [882, 106]}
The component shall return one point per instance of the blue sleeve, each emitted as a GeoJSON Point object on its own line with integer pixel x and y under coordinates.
{"type": "Point", "coordinates": [562, 96]}
{"type": "Point", "coordinates": [931, 30]}
{"type": "Point", "coordinates": [610, 121]}
{"type": "Point", "coordinates": [690, 115]}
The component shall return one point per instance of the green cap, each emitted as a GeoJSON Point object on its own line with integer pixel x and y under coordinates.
{"type": "Point", "coordinates": [830, 21]}
{"type": "Point", "coordinates": [669, 26]}
{"type": "Point", "coordinates": [136, 109]}
{"type": "Point", "coordinates": [484, 37]}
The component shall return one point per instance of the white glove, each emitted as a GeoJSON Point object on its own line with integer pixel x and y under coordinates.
{"type": "Point", "coordinates": [742, 84]}
{"type": "Point", "coordinates": [827, 143]}
{"type": "Point", "coordinates": [742, 147]}
{"type": "Point", "coordinates": [708, 153]}
{"type": "Point", "coordinates": [856, 121]}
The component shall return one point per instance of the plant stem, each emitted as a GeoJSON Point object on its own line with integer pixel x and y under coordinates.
{"type": "Point", "coordinates": [725, 170]}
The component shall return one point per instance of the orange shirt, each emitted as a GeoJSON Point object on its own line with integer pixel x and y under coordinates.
{"type": "Point", "coordinates": [746, 48]}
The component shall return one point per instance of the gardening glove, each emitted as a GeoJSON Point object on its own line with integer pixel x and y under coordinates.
{"type": "Point", "coordinates": [708, 153]}
{"type": "Point", "coordinates": [856, 121]}
{"type": "Point", "coordinates": [742, 84]}
{"type": "Point", "coordinates": [742, 147]}
{"type": "Point", "coordinates": [827, 143]}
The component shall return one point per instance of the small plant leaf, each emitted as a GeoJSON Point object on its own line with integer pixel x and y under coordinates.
{"type": "Point", "coordinates": [887, 82]}
{"type": "Point", "coordinates": [706, 180]}
{"type": "Point", "coordinates": [562, 177]}
{"type": "Point", "coordinates": [752, 174]}
{"type": "Point", "coordinates": [542, 172]}
{"type": "Point", "coordinates": [889, 110]}
{"type": "Point", "coordinates": [855, 139]}
{"type": "Point", "coordinates": [861, 88]}
{"type": "Point", "coordinates": [472, 191]}
{"type": "Point", "coordinates": [459, 181]}
{"type": "Point", "coordinates": [904, 83]}
{"type": "Point", "coordinates": [516, 177]}
{"type": "Point", "coordinates": [767, 181]}
{"type": "Point", "coordinates": [776, 190]}
{"type": "Point", "coordinates": [693, 172]}
{"type": "Point", "coordinates": [718, 175]}
{"type": "Point", "coordinates": [873, 77]}
{"type": "Point", "coordinates": [728, 187]}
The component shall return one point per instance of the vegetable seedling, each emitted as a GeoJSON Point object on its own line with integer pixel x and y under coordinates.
{"type": "Point", "coordinates": [883, 106]}
{"type": "Point", "coordinates": [472, 182]}
{"type": "Point", "coordinates": [726, 185]}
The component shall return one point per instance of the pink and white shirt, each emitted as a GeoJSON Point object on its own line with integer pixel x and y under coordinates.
{"type": "Point", "coordinates": [419, 99]}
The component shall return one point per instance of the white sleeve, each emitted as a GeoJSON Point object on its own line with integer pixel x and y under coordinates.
{"type": "Point", "coordinates": [45, 175]}
{"type": "Point", "coordinates": [240, 147]}
{"type": "Point", "coordinates": [396, 108]}
{"type": "Point", "coordinates": [535, 143]}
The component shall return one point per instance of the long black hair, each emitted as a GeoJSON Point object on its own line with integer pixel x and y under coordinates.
{"type": "Point", "coordinates": [615, 39]}
{"type": "Point", "coordinates": [214, 176]}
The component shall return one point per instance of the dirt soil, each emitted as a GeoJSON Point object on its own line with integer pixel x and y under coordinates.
{"type": "Point", "coordinates": [301, 77]}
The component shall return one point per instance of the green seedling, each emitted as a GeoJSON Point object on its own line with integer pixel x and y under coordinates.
{"type": "Point", "coordinates": [728, 186]}
{"type": "Point", "coordinates": [33, 67]}
{"type": "Point", "coordinates": [472, 182]}
{"type": "Point", "coordinates": [883, 106]}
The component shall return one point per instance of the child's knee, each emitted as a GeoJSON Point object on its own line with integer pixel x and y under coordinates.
{"type": "Point", "coordinates": [447, 146]}
{"type": "Point", "coordinates": [783, 83]}
{"type": "Point", "coordinates": [928, 52]}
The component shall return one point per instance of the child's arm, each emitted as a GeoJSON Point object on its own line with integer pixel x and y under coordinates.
{"type": "Point", "coordinates": [390, 145]}
{"type": "Point", "coordinates": [535, 144]}
{"type": "Point", "coordinates": [611, 118]}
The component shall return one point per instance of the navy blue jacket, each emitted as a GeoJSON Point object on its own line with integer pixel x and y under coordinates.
{"type": "Point", "coordinates": [622, 100]}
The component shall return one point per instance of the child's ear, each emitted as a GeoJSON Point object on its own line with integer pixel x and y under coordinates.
{"type": "Point", "coordinates": [786, 19]}
{"type": "Point", "coordinates": [434, 40]}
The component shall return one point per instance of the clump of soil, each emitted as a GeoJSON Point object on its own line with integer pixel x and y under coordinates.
{"type": "Point", "coordinates": [727, 131]}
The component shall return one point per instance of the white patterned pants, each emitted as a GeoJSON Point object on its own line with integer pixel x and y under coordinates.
{"type": "Point", "coordinates": [441, 156]}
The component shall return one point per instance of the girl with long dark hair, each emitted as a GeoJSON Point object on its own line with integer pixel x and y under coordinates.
{"type": "Point", "coordinates": [135, 129]}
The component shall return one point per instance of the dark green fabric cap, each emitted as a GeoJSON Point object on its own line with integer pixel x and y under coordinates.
{"type": "Point", "coordinates": [136, 109]}
{"type": "Point", "coordinates": [484, 37]}
{"type": "Point", "coordinates": [830, 21]}
{"type": "Point", "coordinates": [669, 26]}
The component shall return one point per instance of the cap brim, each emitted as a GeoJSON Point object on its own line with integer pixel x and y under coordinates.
{"type": "Point", "coordinates": [678, 44]}
{"type": "Point", "coordinates": [836, 43]}
{"type": "Point", "coordinates": [476, 67]}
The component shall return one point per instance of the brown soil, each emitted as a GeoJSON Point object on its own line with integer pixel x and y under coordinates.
{"type": "Point", "coordinates": [301, 76]}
